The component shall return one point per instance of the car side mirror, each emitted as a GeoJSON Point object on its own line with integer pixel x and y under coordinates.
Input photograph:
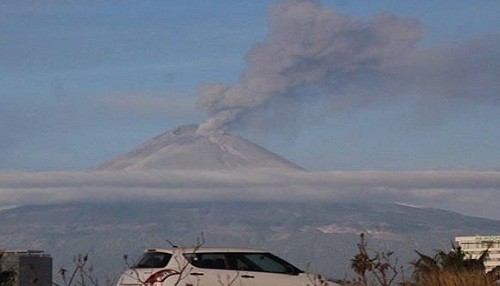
{"type": "Point", "coordinates": [290, 270]}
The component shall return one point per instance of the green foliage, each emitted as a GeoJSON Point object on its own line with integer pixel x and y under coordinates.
{"type": "Point", "coordinates": [445, 268]}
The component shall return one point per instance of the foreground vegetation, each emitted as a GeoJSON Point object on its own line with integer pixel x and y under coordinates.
{"type": "Point", "coordinates": [371, 268]}
{"type": "Point", "coordinates": [445, 268]}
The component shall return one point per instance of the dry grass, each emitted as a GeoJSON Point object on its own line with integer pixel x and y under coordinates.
{"type": "Point", "coordinates": [455, 278]}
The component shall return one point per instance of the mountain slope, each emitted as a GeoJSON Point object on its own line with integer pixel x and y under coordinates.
{"type": "Point", "coordinates": [184, 148]}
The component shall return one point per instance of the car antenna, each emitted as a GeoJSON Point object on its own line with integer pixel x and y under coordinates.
{"type": "Point", "coordinates": [169, 242]}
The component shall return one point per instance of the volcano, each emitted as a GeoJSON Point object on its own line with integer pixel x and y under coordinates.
{"type": "Point", "coordinates": [186, 149]}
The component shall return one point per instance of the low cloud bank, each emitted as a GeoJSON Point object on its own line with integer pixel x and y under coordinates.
{"type": "Point", "coordinates": [470, 192]}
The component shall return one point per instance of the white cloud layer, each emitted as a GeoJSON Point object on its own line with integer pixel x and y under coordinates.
{"type": "Point", "coordinates": [469, 192]}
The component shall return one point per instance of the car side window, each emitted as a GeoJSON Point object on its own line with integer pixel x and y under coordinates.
{"type": "Point", "coordinates": [207, 260]}
{"type": "Point", "coordinates": [153, 260]}
{"type": "Point", "coordinates": [260, 262]}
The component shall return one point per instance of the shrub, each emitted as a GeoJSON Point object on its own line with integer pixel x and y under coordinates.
{"type": "Point", "coordinates": [451, 268]}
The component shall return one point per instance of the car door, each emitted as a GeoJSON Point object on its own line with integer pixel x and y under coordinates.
{"type": "Point", "coordinates": [209, 269]}
{"type": "Point", "coordinates": [259, 269]}
{"type": "Point", "coordinates": [276, 279]}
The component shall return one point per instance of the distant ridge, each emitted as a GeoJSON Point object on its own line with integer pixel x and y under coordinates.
{"type": "Point", "coordinates": [322, 236]}
{"type": "Point", "coordinates": [185, 149]}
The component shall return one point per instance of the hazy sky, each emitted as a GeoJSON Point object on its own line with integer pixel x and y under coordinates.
{"type": "Point", "coordinates": [83, 82]}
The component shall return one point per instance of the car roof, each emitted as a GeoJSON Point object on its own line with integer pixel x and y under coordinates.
{"type": "Point", "coordinates": [203, 249]}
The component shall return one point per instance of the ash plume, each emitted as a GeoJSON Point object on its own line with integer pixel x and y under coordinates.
{"type": "Point", "coordinates": [312, 52]}
{"type": "Point", "coordinates": [307, 45]}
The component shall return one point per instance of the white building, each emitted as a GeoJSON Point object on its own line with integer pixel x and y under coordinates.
{"type": "Point", "coordinates": [476, 245]}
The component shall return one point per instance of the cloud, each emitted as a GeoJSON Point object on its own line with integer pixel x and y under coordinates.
{"type": "Point", "coordinates": [315, 53]}
{"type": "Point", "coordinates": [467, 71]}
{"type": "Point", "coordinates": [454, 190]}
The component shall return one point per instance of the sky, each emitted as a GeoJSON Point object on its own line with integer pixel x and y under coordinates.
{"type": "Point", "coordinates": [393, 101]}
{"type": "Point", "coordinates": [81, 83]}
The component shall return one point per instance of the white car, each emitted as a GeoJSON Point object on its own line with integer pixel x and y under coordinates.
{"type": "Point", "coordinates": [216, 267]}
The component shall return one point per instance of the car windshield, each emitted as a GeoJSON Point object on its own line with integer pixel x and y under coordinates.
{"type": "Point", "coordinates": [154, 260]}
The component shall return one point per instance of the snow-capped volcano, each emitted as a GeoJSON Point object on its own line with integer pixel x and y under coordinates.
{"type": "Point", "coordinates": [184, 148]}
